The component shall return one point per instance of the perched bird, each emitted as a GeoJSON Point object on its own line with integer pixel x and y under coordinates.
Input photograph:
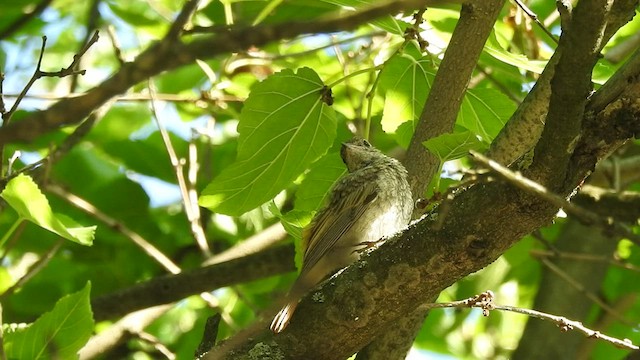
{"type": "Point", "coordinates": [372, 201]}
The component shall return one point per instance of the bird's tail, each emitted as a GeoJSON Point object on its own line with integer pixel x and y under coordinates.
{"type": "Point", "coordinates": [281, 320]}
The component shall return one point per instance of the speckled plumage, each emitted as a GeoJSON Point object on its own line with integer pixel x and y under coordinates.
{"type": "Point", "coordinates": [372, 201]}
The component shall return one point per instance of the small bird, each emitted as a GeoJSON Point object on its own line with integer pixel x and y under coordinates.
{"type": "Point", "coordinates": [371, 202]}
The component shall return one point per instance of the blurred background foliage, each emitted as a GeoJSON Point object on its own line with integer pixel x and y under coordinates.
{"type": "Point", "coordinates": [123, 169]}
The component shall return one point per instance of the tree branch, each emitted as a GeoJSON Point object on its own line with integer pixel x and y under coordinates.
{"type": "Point", "coordinates": [438, 117]}
{"type": "Point", "coordinates": [570, 88]}
{"type": "Point", "coordinates": [522, 131]}
{"type": "Point", "coordinates": [169, 54]}
{"type": "Point", "coordinates": [449, 86]}
{"type": "Point", "coordinates": [392, 281]}
{"type": "Point", "coordinates": [170, 288]}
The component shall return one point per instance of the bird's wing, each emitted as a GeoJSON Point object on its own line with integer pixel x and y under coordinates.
{"type": "Point", "coordinates": [331, 224]}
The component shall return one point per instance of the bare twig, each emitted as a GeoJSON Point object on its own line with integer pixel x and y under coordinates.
{"type": "Point", "coordinates": [534, 17]}
{"type": "Point", "coordinates": [68, 143]}
{"type": "Point", "coordinates": [33, 270]}
{"type": "Point", "coordinates": [585, 257]}
{"type": "Point", "coordinates": [316, 49]}
{"type": "Point", "coordinates": [121, 331]}
{"type": "Point", "coordinates": [115, 43]}
{"type": "Point", "coordinates": [3, 108]}
{"type": "Point", "coordinates": [485, 302]}
{"type": "Point", "coordinates": [38, 73]}
{"type": "Point", "coordinates": [92, 25]}
{"type": "Point", "coordinates": [156, 344]}
{"type": "Point", "coordinates": [3, 355]}
{"type": "Point", "coordinates": [579, 287]}
{"type": "Point", "coordinates": [181, 20]}
{"type": "Point", "coordinates": [138, 97]}
{"type": "Point", "coordinates": [189, 198]}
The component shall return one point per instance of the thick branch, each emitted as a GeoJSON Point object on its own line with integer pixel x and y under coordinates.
{"type": "Point", "coordinates": [482, 223]}
{"type": "Point", "coordinates": [570, 89]}
{"type": "Point", "coordinates": [170, 288]}
{"type": "Point", "coordinates": [438, 117]}
{"type": "Point", "coordinates": [523, 130]}
{"type": "Point", "coordinates": [450, 84]}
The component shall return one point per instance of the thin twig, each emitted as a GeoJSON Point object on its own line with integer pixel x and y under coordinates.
{"type": "Point", "coordinates": [33, 270]}
{"type": "Point", "coordinates": [68, 143]}
{"type": "Point", "coordinates": [115, 44]}
{"type": "Point", "coordinates": [314, 50]}
{"type": "Point", "coordinates": [584, 257]}
{"type": "Point", "coordinates": [579, 287]}
{"type": "Point", "coordinates": [92, 25]}
{"type": "Point", "coordinates": [156, 344]}
{"type": "Point", "coordinates": [38, 73]}
{"type": "Point", "coordinates": [119, 332]}
{"type": "Point", "coordinates": [485, 302]}
{"type": "Point", "coordinates": [3, 355]}
{"type": "Point", "coordinates": [584, 215]}
{"type": "Point", "coordinates": [191, 208]}
{"type": "Point", "coordinates": [136, 238]}
{"type": "Point", "coordinates": [535, 19]}
{"type": "Point", "coordinates": [192, 193]}
{"type": "Point", "coordinates": [136, 97]}
{"type": "Point", "coordinates": [181, 20]}
{"type": "Point", "coordinates": [3, 108]}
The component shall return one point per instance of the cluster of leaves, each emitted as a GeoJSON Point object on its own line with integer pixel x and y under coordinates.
{"type": "Point", "coordinates": [266, 131]}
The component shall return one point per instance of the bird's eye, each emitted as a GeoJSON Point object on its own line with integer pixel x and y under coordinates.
{"type": "Point", "coordinates": [366, 143]}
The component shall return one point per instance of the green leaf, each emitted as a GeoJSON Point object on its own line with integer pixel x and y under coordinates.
{"type": "Point", "coordinates": [484, 112]}
{"type": "Point", "coordinates": [24, 196]}
{"type": "Point", "coordinates": [284, 127]}
{"type": "Point", "coordinates": [405, 82]}
{"type": "Point", "coordinates": [496, 50]}
{"type": "Point", "coordinates": [453, 146]}
{"type": "Point", "coordinates": [318, 181]}
{"type": "Point", "coordinates": [61, 332]}
{"type": "Point", "coordinates": [294, 223]}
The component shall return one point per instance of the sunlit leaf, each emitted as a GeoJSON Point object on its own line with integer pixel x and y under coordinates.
{"type": "Point", "coordinates": [57, 334]}
{"type": "Point", "coordinates": [405, 82]}
{"type": "Point", "coordinates": [24, 196]}
{"type": "Point", "coordinates": [284, 126]}
{"type": "Point", "coordinates": [484, 112]}
{"type": "Point", "coordinates": [493, 48]}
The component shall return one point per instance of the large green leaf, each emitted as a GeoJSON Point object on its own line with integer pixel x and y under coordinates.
{"type": "Point", "coordinates": [405, 82]}
{"type": "Point", "coordinates": [24, 196]}
{"type": "Point", "coordinates": [453, 146]}
{"type": "Point", "coordinates": [284, 126]}
{"type": "Point", "coordinates": [484, 112]}
{"type": "Point", "coordinates": [59, 334]}
{"type": "Point", "coordinates": [495, 49]}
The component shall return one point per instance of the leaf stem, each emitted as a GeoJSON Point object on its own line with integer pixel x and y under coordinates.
{"type": "Point", "coordinates": [370, 96]}
{"type": "Point", "coordinates": [11, 230]}
{"type": "Point", "coordinates": [355, 73]}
